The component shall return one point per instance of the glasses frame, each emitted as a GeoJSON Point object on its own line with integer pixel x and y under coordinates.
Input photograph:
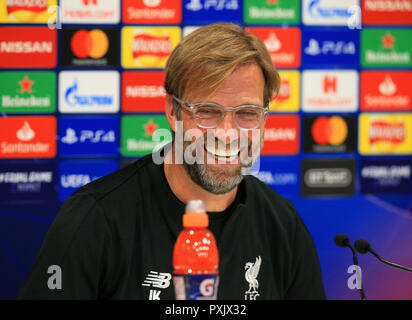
{"type": "Point", "coordinates": [193, 107]}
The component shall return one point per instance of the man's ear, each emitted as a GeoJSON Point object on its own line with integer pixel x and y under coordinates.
{"type": "Point", "coordinates": [170, 112]}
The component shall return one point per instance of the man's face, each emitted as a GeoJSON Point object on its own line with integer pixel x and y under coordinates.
{"type": "Point", "coordinates": [226, 146]}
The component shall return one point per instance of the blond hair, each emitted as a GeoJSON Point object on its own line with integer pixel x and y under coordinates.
{"type": "Point", "coordinates": [207, 56]}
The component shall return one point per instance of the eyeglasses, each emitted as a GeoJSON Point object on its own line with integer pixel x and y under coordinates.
{"type": "Point", "coordinates": [209, 115]}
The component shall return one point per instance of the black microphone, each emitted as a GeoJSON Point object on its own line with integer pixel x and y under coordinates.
{"type": "Point", "coordinates": [343, 241]}
{"type": "Point", "coordinates": [363, 246]}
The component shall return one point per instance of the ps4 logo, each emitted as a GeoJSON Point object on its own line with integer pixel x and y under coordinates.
{"type": "Point", "coordinates": [74, 99]}
{"type": "Point", "coordinates": [88, 136]}
{"type": "Point", "coordinates": [330, 47]}
{"type": "Point", "coordinates": [196, 5]}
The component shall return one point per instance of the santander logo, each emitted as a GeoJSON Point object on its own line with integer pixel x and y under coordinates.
{"type": "Point", "coordinates": [387, 87]}
{"type": "Point", "coordinates": [272, 43]}
{"type": "Point", "coordinates": [152, 3]}
{"type": "Point", "coordinates": [25, 133]}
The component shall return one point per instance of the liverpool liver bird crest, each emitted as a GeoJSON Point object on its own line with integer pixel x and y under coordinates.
{"type": "Point", "coordinates": [252, 271]}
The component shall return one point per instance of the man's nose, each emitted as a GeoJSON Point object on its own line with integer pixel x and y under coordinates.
{"type": "Point", "coordinates": [227, 130]}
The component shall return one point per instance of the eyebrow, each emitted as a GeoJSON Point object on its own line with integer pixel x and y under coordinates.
{"type": "Point", "coordinates": [243, 104]}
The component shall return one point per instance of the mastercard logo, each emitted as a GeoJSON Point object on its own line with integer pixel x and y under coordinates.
{"type": "Point", "coordinates": [329, 130]}
{"type": "Point", "coordinates": [89, 44]}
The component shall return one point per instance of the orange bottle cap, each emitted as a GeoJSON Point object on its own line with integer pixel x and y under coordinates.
{"type": "Point", "coordinates": [195, 215]}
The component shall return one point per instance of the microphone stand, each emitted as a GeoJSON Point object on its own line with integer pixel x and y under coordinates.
{"type": "Point", "coordinates": [389, 263]}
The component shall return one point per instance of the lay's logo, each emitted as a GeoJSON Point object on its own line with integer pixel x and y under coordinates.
{"type": "Point", "coordinates": [389, 133]}
{"type": "Point", "coordinates": [381, 131]}
{"type": "Point", "coordinates": [148, 47]}
{"type": "Point", "coordinates": [146, 44]}
{"type": "Point", "coordinates": [33, 11]}
{"type": "Point", "coordinates": [33, 6]}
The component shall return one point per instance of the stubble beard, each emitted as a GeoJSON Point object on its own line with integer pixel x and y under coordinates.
{"type": "Point", "coordinates": [221, 179]}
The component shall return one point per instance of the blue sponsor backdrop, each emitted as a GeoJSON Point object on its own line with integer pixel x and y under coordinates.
{"type": "Point", "coordinates": [385, 220]}
{"type": "Point", "coordinates": [281, 174]}
{"type": "Point", "coordinates": [204, 12]}
{"type": "Point", "coordinates": [28, 181]}
{"type": "Point", "coordinates": [338, 46]}
{"type": "Point", "coordinates": [390, 175]}
{"type": "Point", "coordinates": [88, 136]}
{"type": "Point", "coordinates": [75, 174]}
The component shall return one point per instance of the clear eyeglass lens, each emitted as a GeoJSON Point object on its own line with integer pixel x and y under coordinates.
{"type": "Point", "coordinates": [210, 116]}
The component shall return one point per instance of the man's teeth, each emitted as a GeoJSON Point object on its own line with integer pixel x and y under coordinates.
{"type": "Point", "coordinates": [220, 152]}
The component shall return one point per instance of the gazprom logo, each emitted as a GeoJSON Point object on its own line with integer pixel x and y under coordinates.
{"type": "Point", "coordinates": [89, 91]}
{"type": "Point", "coordinates": [316, 10]}
{"type": "Point", "coordinates": [328, 12]}
{"type": "Point", "coordinates": [73, 98]}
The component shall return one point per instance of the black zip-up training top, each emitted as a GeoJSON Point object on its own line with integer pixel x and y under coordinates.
{"type": "Point", "coordinates": [114, 239]}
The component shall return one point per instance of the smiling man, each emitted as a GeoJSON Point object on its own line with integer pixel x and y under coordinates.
{"type": "Point", "coordinates": [114, 238]}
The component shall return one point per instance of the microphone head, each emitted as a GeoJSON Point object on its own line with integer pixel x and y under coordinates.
{"type": "Point", "coordinates": [362, 246]}
{"type": "Point", "coordinates": [342, 240]}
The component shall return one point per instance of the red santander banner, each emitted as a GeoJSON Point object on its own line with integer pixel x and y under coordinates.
{"type": "Point", "coordinates": [143, 91]}
{"type": "Point", "coordinates": [281, 135]}
{"type": "Point", "coordinates": [28, 47]}
{"type": "Point", "coordinates": [152, 11]}
{"type": "Point", "coordinates": [283, 44]}
{"type": "Point", "coordinates": [386, 12]}
{"type": "Point", "coordinates": [386, 90]}
{"type": "Point", "coordinates": [28, 137]}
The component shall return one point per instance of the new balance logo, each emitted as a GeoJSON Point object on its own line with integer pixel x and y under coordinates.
{"type": "Point", "coordinates": [157, 280]}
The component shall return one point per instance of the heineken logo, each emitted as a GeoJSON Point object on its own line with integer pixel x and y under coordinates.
{"type": "Point", "coordinates": [27, 92]}
{"type": "Point", "coordinates": [150, 128]}
{"type": "Point", "coordinates": [142, 135]}
{"type": "Point", "coordinates": [26, 84]}
{"type": "Point", "coordinates": [388, 41]}
{"type": "Point", "coordinates": [386, 48]}
{"type": "Point", "coordinates": [272, 11]}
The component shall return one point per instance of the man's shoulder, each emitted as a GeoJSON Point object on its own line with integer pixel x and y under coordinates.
{"type": "Point", "coordinates": [263, 196]}
{"type": "Point", "coordinates": [262, 192]}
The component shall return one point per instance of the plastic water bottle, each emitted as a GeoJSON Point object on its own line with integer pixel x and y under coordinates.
{"type": "Point", "coordinates": [195, 257]}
